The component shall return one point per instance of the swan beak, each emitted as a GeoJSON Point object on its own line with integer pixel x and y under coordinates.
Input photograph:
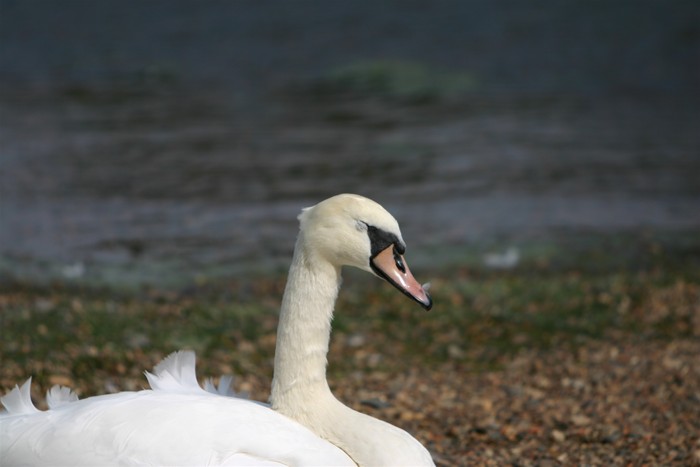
{"type": "Point", "coordinates": [391, 266]}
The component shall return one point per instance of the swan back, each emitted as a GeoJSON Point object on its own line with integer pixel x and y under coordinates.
{"type": "Point", "coordinates": [175, 423]}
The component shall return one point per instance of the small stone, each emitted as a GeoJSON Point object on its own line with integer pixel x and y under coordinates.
{"type": "Point", "coordinates": [580, 420]}
{"type": "Point", "coordinates": [376, 403]}
{"type": "Point", "coordinates": [696, 455]}
{"type": "Point", "coordinates": [558, 436]}
{"type": "Point", "coordinates": [356, 340]}
{"type": "Point", "coordinates": [455, 352]}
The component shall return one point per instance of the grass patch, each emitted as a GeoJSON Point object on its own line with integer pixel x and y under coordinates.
{"type": "Point", "coordinates": [597, 349]}
{"type": "Point", "coordinates": [396, 80]}
{"type": "Point", "coordinates": [88, 335]}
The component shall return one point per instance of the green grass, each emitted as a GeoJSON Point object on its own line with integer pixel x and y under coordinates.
{"type": "Point", "coordinates": [480, 319]}
{"type": "Point", "coordinates": [396, 80]}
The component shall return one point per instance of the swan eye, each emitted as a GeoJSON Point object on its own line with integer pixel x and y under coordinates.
{"type": "Point", "coordinates": [380, 240]}
{"type": "Point", "coordinates": [399, 261]}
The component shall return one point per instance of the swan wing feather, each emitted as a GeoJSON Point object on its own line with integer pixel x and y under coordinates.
{"type": "Point", "coordinates": [176, 373]}
{"type": "Point", "coordinates": [224, 388]}
{"type": "Point", "coordinates": [60, 395]}
{"type": "Point", "coordinates": [19, 400]}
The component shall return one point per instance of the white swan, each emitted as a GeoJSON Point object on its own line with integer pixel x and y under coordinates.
{"type": "Point", "coordinates": [178, 423]}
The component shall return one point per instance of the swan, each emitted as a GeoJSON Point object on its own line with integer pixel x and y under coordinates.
{"type": "Point", "coordinates": [177, 422]}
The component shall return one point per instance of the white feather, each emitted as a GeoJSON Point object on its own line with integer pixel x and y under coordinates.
{"type": "Point", "coordinates": [19, 400]}
{"type": "Point", "coordinates": [176, 373]}
{"type": "Point", "coordinates": [225, 387]}
{"type": "Point", "coordinates": [60, 395]}
{"type": "Point", "coordinates": [177, 423]}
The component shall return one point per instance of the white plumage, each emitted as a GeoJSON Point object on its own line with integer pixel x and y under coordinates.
{"type": "Point", "coordinates": [176, 423]}
{"type": "Point", "coordinates": [179, 423]}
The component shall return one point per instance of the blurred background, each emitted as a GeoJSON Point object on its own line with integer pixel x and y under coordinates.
{"type": "Point", "coordinates": [170, 141]}
{"type": "Point", "coordinates": [542, 158]}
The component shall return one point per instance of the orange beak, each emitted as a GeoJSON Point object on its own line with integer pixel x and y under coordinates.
{"type": "Point", "coordinates": [390, 265]}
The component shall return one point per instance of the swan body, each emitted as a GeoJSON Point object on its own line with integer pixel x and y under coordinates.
{"type": "Point", "coordinates": [179, 423]}
{"type": "Point", "coordinates": [176, 423]}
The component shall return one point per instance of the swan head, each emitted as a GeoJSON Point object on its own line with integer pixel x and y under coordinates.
{"type": "Point", "coordinates": [351, 230]}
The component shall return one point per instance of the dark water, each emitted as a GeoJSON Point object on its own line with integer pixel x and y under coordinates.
{"type": "Point", "coordinates": [171, 138]}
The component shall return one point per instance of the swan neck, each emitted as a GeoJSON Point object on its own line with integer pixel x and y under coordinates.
{"type": "Point", "coordinates": [299, 387]}
{"type": "Point", "coordinates": [303, 333]}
